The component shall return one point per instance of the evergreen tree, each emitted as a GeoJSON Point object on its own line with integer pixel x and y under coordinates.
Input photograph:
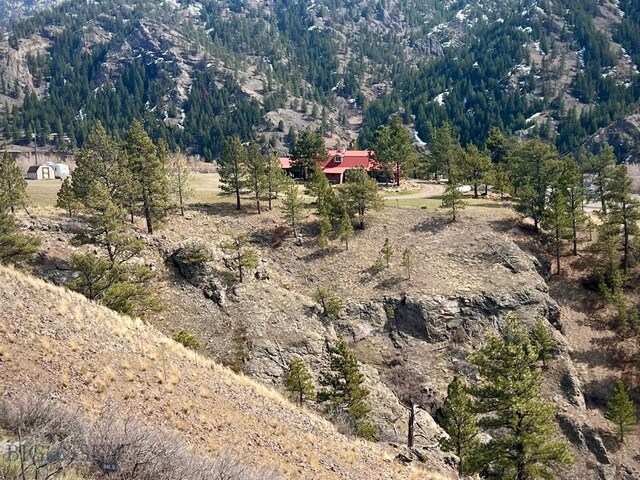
{"type": "Point", "coordinates": [446, 151]}
{"type": "Point", "coordinates": [543, 341]}
{"type": "Point", "coordinates": [624, 211]}
{"type": "Point", "coordinates": [105, 228]}
{"type": "Point", "coordinates": [256, 173]}
{"type": "Point", "coordinates": [299, 382]}
{"type": "Point", "coordinates": [557, 221]}
{"type": "Point", "coordinates": [407, 261]}
{"type": "Point", "coordinates": [346, 230]}
{"type": "Point", "coordinates": [276, 177]}
{"type": "Point", "coordinates": [534, 161]}
{"type": "Point", "coordinates": [621, 410]}
{"type": "Point", "coordinates": [359, 194]}
{"type": "Point", "coordinates": [308, 150]}
{"type": "Point", "coordinates": [292, 206]}
{"type": "Point", "coordinates": [233, 168]}
{"type": "Point", "coordinates": [15, 247]}
{"type": "Point", "coordinates": [13, 187]}
{"type": "Point", "coordinates": [461, 424]}
{"type": "Point", "coordinates": [332, 305]}
{"type": "Point", "coordinates": [521, 423]}
{"type": "Point", "coordinates": [324, 231]}
{"type": "Point", "coordinates": [102, 160]}
{"type": "Point", "coordinates": [394, 150]}
{"type": "Point", "coordinates": [453, 201]}
{"type": "Point", "coordinates": [67, 199]}
{"type": "Point", "coordinates": [344, 391]}
{"type": "Point", "coordinates": [601, 167]}
{"type": "Point", "coordinates": [320, 187]}
{"type": "Point", "coordinates": [122, 288]}
{"type": "Point", "coordinates": [242, 256]}
{"type": "Point", "coordinates": [179, 177]}
{"type": "Point", "coordinates": [499, 179]}
{"type": "Point", "coordinates": [475, 167]}
{"type": "Point", "coordinates": [386, 253]}
{"type": "Point", "coordinates": [571, 182]}
{"type": "Point", "coordinates": [147, 164]}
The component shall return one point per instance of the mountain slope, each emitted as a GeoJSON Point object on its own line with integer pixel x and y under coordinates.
{"type": "Point", "coordinates": [58, 343]}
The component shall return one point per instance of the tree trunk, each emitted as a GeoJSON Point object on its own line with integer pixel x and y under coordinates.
{"type": "Point", "coordinates": [625, 259]}
{"type": "Point", "coordinates": [475, 190]}
{"type": "Point", "coordinates": [147, 213]}
{"type": "Point", "coordinates": [411, 424]}
{"type": "Point", "coordinates": [397, 174]}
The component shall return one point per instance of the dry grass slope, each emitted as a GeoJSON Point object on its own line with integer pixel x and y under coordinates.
{"type": "Point", "coordinates": [56, 342]}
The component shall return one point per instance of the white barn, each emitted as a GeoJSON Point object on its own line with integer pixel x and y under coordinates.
{"type": "Point", "coordinates": [41, 172]}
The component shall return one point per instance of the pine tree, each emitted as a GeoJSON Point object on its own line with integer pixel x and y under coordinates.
{"type": "Point", "coordinates": [475, 166]}
{"type": "Point", "coordinates": [15, 247]}
{"type": "Point", "coordinates": [499, 179]}
{"type": "Point", "coordinates": [102, 160]}
{"type": "Point", "coordinates": [67, 199]}
{"type": "Point", "coordinates": [292, 206]}
{"type": "Point", "coordinates": [601, 166]}
{"type": "Point", "coordinates": [623, 212]}
{"type": "Point", "coordinates": [407, 262]}
{"type": "Point", "coordinates": [543, 341]}
{"type": "Point", "coordinates": [621, 410]}
{"type": "Point", "coordinates": [299, 382]}
{"type": "Point", "coordinates": [276, 177]}
{"type": "Point", "coordinates": [320, 188]}
{"type": "Point", "coordinates": [332, 304]}
{"type": "Point", "coordinates": [344, 391]}
{"type": "Point", "coordinates": [386, 253]}
{"type": "Point", "coordinates": [147, 164]}
{"type": "Point", "coordinates": [359, 194]}
{"type": "Point", "coordinates": [179, 177]}
{"type": "Point", "coordinates": [521, 423]}
{"type": "Point", "coordinates": [233, 168]}
{"type": "Point", "coordinates": [324, 231]}
{"type": "Point", "coordinates": [534, 163]}
{"type": "Point", "coordinates": [461, 424]}
{"type": "Point", "coordinates": [308, 150]}
{"type": "Point", "coordinates": [105, 228]}
{"type": "Point", "coordinates": [394, 150]}
{"type": "Point", "coordinates": [446, 152]}
{"type": "Point", "coordinates": [557, 222]}
{"type": "Point", "coordinates": [256, 173]}
{"type": "Point", "coordinates": [453, 201]}
{"type": "Point", "coordinates": [571, 181]}
{"type": "Point", "coordinates": [242, 256]}
{"type": "Point", "coordinates": [346, 230]}
{"type": "Point", "coordinates": [13, 187]}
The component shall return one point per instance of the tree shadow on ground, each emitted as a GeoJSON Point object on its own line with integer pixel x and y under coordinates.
{"type": "Point", "coordinates": [597, 392]}
{"type": "Point", "coordinates": [605, 352]}
{"type": "Point", "coordinates": [321, 254]}
{"type": "Point", "coordinates": [222, 209]}
{"type": "Point", "coordinates": [433, 225]}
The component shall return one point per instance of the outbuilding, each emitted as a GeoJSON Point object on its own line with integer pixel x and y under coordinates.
{"type": "Point", "coordinates": [41, 172]}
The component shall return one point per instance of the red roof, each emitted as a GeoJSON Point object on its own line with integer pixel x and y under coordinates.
{"type": "Point", "coordinates": [348, 159]}
{"type": "Point", "coordinates": [335, 170]}
{"type": "Point", "coordinates": [285, 162]}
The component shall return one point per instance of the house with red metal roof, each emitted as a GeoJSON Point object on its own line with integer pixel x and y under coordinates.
{"type": "Point", "coordinates": [338, 163]}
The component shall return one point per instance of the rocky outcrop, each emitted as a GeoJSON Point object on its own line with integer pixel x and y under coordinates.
{"type": "Point", "coordinates": [440, 318]}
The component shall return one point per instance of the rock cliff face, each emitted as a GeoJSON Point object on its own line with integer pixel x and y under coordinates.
{"type": "Point", "coordinates": [409, 345]}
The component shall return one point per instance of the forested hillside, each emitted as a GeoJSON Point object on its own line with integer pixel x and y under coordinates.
{"type": "Point", "coordinates": [199, 71]}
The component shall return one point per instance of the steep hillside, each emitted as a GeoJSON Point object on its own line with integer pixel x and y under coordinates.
{"type": "Point", "coordinates": [56, 342]}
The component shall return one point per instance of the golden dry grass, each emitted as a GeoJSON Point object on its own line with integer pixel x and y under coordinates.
{"type": "Point", "coordinates": [116, 362]}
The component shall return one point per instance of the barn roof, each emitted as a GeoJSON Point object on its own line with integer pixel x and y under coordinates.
{"type": "Point", "coordinates": [348, 159]}
{"type": "Point", "coordinates": [34, 168]}
{"type": "Point", "coordinates": [285, 162]}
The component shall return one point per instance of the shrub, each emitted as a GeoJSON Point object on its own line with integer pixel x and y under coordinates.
{"type": "Point", "coordinates": [187, 339]}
